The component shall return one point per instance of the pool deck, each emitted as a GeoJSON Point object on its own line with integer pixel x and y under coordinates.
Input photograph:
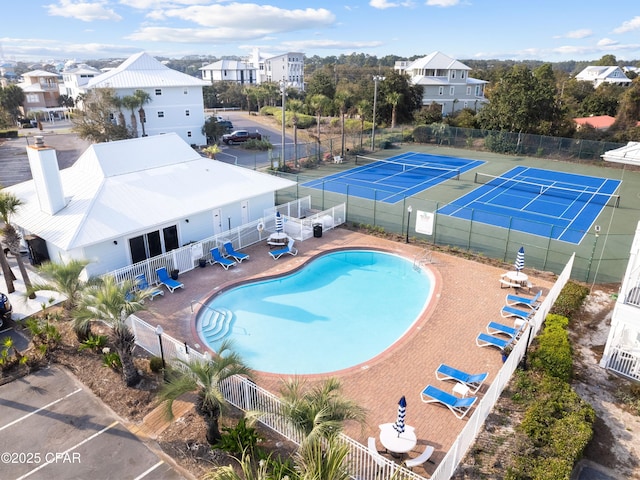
{"type": "Point", "coordinates": [467, 297]}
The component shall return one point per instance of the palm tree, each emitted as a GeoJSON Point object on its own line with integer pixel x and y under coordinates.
{"type": "Point", "coordinates": [142, 98]}
{"type": "Point", "coordinates": [118, 103]}
{"type": "Point", "coordinates": [393, 98]}
{"type": "Point", "coordinates": [63, 278]}
{"type": "Point", "coordinates": [362, 108]}
{"type": "Point", "coordinates": [205, 378]}
{"type": "Point", "coordinates": [319, 411]}
{"type": "Point", "coordinates": [131, 103]}
{"type": "Point", "coordinates": [9, 203]}
{"type": "Point", "coordinates": [112, 303]}
{"type": "Point", "coordinates": [295, 106]}
{"type": "Point", "coordinates": [342, 100]}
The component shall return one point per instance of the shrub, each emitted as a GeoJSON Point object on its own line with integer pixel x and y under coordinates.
{"type": "Point", "coordinates": [422, 134]}
{"type": "Point", "coordinates": [111, 359]}
{"type": "Point", "coordinates": [239, 439]}
{"type": "Point", "coordinates": [155, 364]}
{"type": "Point", "coordinates": [262, 145]}
{"type": "Point", "coordinates": [570, 300]}
{"type": "Point", "coordinates": [553, 354]}
{"type": "Point", "coordinates": [94, 342]}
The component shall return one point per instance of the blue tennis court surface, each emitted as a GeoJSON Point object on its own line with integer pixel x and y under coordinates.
{"type": "Point", "coordinates": [393, 179]}
{"type": "Point", "coordinates": [553, 204]}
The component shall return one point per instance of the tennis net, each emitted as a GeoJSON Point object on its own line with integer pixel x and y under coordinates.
{"type": "Point", "coordinates": [398, 167]}
{"type": "Point", "coordinates": [584, 195]}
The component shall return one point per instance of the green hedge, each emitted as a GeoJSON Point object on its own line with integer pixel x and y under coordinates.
{"type": "Point", "coordinates": [8, 134]}
{"type": "Point", "coordinates": [553, 353]}
{"type": "Point", "coordinates": [570, 300]}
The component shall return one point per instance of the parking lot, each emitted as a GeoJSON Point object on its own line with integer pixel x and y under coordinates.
{"type": "Point", "coordinates": [53, 427]}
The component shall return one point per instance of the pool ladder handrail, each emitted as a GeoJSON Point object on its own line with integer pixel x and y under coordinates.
{"type": "Point", "coordinates": [423, 258]}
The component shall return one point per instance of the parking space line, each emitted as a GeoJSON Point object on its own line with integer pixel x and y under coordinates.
{"type": "Point", "coordinates": [70, 449]}
{"type": "Point", "coordinates": [40, 409]}
{"type": "Point", "coordinates": [149, 470]}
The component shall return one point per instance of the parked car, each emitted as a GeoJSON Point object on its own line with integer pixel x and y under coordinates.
{"type": "Point", "coordinates": [240, 136]}
{"type": "Point", "coordinates": [5, 308]}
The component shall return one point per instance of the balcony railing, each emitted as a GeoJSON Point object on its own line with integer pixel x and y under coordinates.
{"type": "Point", "coordinates": [633, 297]}
{"type": "Point", "coordinates": [625, 363]}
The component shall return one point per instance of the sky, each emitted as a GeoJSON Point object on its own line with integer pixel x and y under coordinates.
{"type": "Point", "coordinates": [547, 30]}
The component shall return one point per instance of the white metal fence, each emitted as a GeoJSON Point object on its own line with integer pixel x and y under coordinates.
{"type": "Point", "coordinates": [186, 258]}
{"type": "Point", "coordinates": [246, 395]}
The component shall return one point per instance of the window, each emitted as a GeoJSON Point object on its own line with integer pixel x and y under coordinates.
{"type": "Point", "coordinates": [189, 134]}
{"type": "Point", "coordinates": [452, 90]}
{"type": "Point", "coordinates": [462, 74]}
{"type": "Point", "coordinates": [441, 91]}
{"type": "Point", "coordinates": [153, 244]}
{"type": "Point", "coordinates": [160, 114]}
{"type": "Point", "coordinates": [186, 91]}
{"type": "Point", "coordinates": [468, 90]}
{"type": "Point", "coordinates": [186, 113]}
{"type": "Point", "coordinates": [158, 91]}
{"type": "Point", "coordinates": [453, 74]}
{"type": "Point", "coordinates": [32, 98]}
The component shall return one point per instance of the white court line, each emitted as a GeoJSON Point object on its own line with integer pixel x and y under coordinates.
{"type": "Point", "coordinates": [149, 470]}
{"type": "Point", "coordinates": [68, 450]}
{"type": "Point", "coordinates": [40, 409]}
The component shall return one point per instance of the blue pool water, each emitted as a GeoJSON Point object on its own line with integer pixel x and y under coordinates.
{"type": "Point", "coordinates": [340, 310]}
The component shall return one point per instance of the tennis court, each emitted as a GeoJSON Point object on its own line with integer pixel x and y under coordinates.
{"type": "Point", "coordinates": [559, 205]}
{"type": "Point", "coordinates": [392, 179]}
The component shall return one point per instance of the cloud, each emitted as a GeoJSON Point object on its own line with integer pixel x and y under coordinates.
{"type": "Point", "coordinates": [195, 35]}
{"type": "Point", "coordinates": [576, 34]}
{"type": "Point", "coordinates": [85, 11]}
{"type": "Point", "coordinates": [304, 45]}
{"type": "Point", "coordinates": [628, 26]}
{"type": "Point", "coordinates": [248, 16]}
{"type": "Point", "coordinates": [442, 3]}
{"type": "Point", "coordinates": [384, 4]}
{"type": "Point", "coordinates": [151, 4]}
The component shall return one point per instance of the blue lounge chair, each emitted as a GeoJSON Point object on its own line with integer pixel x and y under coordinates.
{"type": "Point", "coordinates": [216, 257]}
{"type": "Point", "coordinates": [276, 254]}
{"type": "Point", "coordinates": [474, 382]}
{"type": "Point", "coordinates": [167, 281]}
{"type": "Point", "coordinates": [459, 406]}
{"type": "Point", "coordinates": [494, 328]}
{"type": "Point", "coordinates": [508, 311]}
{"type": "Point", "coordinates": [237, 256]}
{"type": "Point", "coordinates": [486, 340]}
{"type": "Point", "coordinates": [533, 302]}
{"type": "Point", "coordinates": [142, 284]}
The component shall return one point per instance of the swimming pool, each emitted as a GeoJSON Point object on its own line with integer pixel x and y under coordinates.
{"type": "Point", "coordinates": [340, 310]}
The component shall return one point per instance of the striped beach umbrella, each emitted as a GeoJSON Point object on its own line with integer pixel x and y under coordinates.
{"type": "Point", "coordinates": [279, 223]}
{"type": "Point", "coordinates": [402, 410]}
{"type": "Point", "coordinates": [520, 259]}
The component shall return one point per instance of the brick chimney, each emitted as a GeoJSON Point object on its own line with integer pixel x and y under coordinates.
{"type": "Point", "coordinates": [43, 162]}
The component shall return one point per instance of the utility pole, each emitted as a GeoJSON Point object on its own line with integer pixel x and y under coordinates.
{"type": "Point", "coordinates": [376, 79]}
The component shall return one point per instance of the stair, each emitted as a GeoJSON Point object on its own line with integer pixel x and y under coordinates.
{"type": "Point", "coordinates": [215, 324]}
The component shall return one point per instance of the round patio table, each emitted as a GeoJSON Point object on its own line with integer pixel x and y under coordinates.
{"type": "Point", "coordinates": [396, 442]}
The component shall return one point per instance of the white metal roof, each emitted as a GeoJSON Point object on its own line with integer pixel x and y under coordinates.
{"type": "Point", "coordinates": [124, 187]}
{"type": "Point", "coordinates": [437, 61]}
{"type": "Point", "coordinates": [629, 154]}
{"type": "Point", "coordinates": [143, 71]}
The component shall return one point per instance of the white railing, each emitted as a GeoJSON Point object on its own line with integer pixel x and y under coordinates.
{"type": "Point", "coordinates": [624, 362]}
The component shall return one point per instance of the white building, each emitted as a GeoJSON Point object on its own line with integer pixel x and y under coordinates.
{"type": "Point", "coordinates": [176, 105]}
{"type": "Point", "coordinates": [599, 75]}
{"type": "Point", "coordinates": [75, 79]}
{"type": "Point", "coordinates": [234, 71]}
{"type": "Point", "coordinates": [445, 81]}
{"type": "Point", "coordinates": [125, 201]}
{"type": "Point", "coordinates": [622, 350]}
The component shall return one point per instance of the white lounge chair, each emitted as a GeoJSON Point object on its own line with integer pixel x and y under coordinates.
{"type": "Point", "coordinates": [494, 328]}
{"type": "Point", "coordinates": [473, 381]}
{"type": "Point", "coordinates": [459, 406]}
{"type": "Point", "coordinates": [289, 248]}
{"type": "Point", "coordinates": [508, 311]}
{"type": "Point", "coordinates": [516, 300]}
{"type": "Point", "coordinates": [167, 281]}
{"type": "Point", "coordinates": [420, 459]}
{"type": "Point", "coordinates": [216, 257]}
{"type": "Point", "coordinates": [486, 340]}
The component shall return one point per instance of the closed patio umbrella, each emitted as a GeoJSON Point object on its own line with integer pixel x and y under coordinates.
{"type": "Point", "coordinates": [520, 259]}
{"type": "Point", "coordinates": [279, 223]}
{"type": "Point", "coordinates": [402, 410]}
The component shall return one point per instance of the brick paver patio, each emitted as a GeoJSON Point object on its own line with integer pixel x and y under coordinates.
{"type": "Point", "coordinates": [467, 297]}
